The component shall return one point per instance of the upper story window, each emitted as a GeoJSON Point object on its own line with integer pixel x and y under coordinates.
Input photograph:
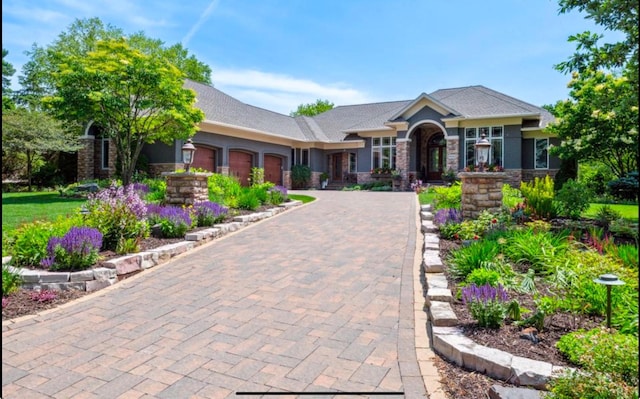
{"type": "Point", "coordinates": [495, 135]}
{"type": "Point", "coordinates": [541, 153]}
{"type": "Point", "coordinates": [383, 151]}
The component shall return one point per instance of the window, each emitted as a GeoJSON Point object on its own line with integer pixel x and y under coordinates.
{"type": "Point", "coordinates": [293, 156]}
{"type": "Point", "coordinates": [105, 154]}
{"type": "Point", "coordinates": [305, 157]}
{"type": "Point", "coordinates": [495, 136]}
{"type": "Point", "coordinates": [352, 162]}
{"type": "Point", "coordinates": [541, 153]}
{"type": "Point", "coordinates": [383, 151]}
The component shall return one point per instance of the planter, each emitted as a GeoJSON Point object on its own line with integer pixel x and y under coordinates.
{"type": "Point", "coordinates": [324, 184]}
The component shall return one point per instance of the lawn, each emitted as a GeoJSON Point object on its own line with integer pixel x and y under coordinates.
{"type": "Point", "coordinates": [18, 208]}
{"type": "Point", "coordinates": [300, 197]}
{"type": "Point", "coordinates": [627, 211]}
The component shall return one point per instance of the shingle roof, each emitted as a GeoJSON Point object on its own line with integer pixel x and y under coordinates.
{"type": "Point", "coordinates": [330, 126]}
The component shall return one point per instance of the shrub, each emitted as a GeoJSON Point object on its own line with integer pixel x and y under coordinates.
{"type": "Point", "coordinates": [448, 197]}
{"type": "Point", "coordinates": [300, 176]}
{"type": "Point", "coordinates": [257, 176]}
{"type": "Point", "coordinates": [466, 259]}
{"type": "Point", "coordinates": [208, 213]}
{"type": "Point", "coordinates": [277, 195]}
{"type": "Point", "coordinates": [174, 221]}
{"type": "Point", "coordinates": [595, 176]}
{"type": "Point", "coordinates": [76, 250]}
{"type": "Point", "coordinates": [624, 228]}
{"type": "Point", "coordinates": [539, 197]}
{"type": "Point", "coordinates": [157, 190]}
{"type": "Point", "coordinates": [30, 241]}
{"type": "Point", "coordinates": [120, 215]}
{"type": "Point", "coordinates": [11, 280]}
{"type": "Point", "coordinates": [223, 189]}
{"type": "Point", "coordinates": [248, 200]}
{"type": "Point", "coordinates": [483, 276]}
{"type": "Point", "coordinates": [488, 305]}
{"type": "Point", "coordinates": [603, 351]}
{"type": "Point", "coordinates": [539, 249]}
{"type": "Point", "coordinates": [511, 196]}
{"type": "Point", "coordinates": [572, 199]}
{"type": "Point", "coordinates": [625, 188]}
{"type": "Point", "coordinates": [261, 191]}
{"type": "Point", "coordinates": [605, 215]}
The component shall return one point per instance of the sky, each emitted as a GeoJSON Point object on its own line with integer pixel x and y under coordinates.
{"type": "Point", "coordinates": [278, 54]}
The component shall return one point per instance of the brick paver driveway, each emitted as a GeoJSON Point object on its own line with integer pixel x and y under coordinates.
{"type": "Point", "coordinates": [317, 299]}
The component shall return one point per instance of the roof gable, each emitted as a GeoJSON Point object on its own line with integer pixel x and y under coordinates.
{"type": "Point", "coordinates": [423, 100]}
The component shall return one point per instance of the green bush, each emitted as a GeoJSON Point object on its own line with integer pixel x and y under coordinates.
{"type": "Point", "coordinates": [538, 249]}
{"type": "Point", "coordinates": [248, 200]}
{"type": "Point", "coordinates": [157, 190]}
{"type": "Point", "coordinates": [448, 197]}
{"type": "Point", "coordinates": [572, 199]}
{"type": "Point", "coordinates": [625, 188]}
{"type": "Point", "coordinates": [483, 276]}
{"type": "Point", "coordinates": [595, 176]}
{"type": "Point", "coordinates": [30, 242]}
{"type": "Point", "coordinates": [511, 196]}
{"type": "Point", "coordinates": [466, 259]}
{"type": "Point", "coordinates": [11, 280]}
{"type": "Point", "coordinates": [605, 215]}
{"type": "Point", "coordinates": [257, 176]}
{"type": "Point", "coordinates": [300, 176]}
{"type": "Point", "coordinates": [224, 189]}
{"type": "Point", "coordinates": [539, 197]}
{"type": "Point", "coordinates": [603, 351]}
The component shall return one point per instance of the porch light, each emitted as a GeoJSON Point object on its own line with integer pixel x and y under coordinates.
{"type": "Point", "coordinates": [482, 151]}
{"type": "Point", "coordinates": [187, 154]}
{"type": "Point", "coordinates": [609, 280]}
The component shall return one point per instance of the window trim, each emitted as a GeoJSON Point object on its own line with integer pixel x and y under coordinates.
{"type": "Point", "coordinates": [535, 153]}
{"type": "Point", "coordinates": [392, 146]}
{"type": "Point", "coordinates": [489, 137]}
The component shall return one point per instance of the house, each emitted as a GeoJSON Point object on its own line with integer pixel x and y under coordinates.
{"type": "Point", "coordinates": [419, 139]}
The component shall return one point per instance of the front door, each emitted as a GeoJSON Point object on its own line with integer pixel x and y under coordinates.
{"type": "Point", "coordinates": [436, 157]}
{"type": "Point", "coordinates": [336, 162]}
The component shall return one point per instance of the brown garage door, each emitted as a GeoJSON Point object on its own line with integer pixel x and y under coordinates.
{"type": "Point", "coordinates": [273, 169]}
{"type": "Point", "coordinates": [240, 164]}
{"type": "Point", "coordinates": [204, 158]}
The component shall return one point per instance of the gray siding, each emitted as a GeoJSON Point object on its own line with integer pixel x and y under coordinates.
{"type": "Point", "coordinates": [425, 113]}
{"type": "Point", "coordinates": [226, 143]}
{"type": "Point", "coordinates": [512, 147]}
{"type": "Point", "coordinates": [162, 153]}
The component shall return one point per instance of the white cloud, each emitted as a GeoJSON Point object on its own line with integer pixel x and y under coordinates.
{"type": "Point", "coordinates": [203, 18]}
{"type": "Point", "coordinates": [282, 93]}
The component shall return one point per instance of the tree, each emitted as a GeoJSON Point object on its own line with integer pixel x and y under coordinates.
{"type": "Point", "coordinates": [134, 97]}
{"type": "Point", "coordinates": [312, 109]}
{"type": "Point", "coordinates": [7, 72]}
{"type": "Point", "coordinates": [600, 122]}
{"type": "Point", "coordinates": [34, 133]}
{"type": "Point", "coordinates": [82, 37]}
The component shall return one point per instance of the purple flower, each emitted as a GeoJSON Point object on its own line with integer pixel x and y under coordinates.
{"type": "Point", "coordinates": [174, 214]}
{"type": "Point", "coordinates": [447, 215]}
{"type": "Point", "coordinates": [484, 294]}
{"type": "Point", "coordinates": [208, 212]}
{"type": "Point", "coordinates": [116, 197]}
{"type": "Point", "coordinates": [141, 188]}
{"type": "Point", "coordinates": [80, 244]}
{"type": "Point", "coordinates": [283, 190]}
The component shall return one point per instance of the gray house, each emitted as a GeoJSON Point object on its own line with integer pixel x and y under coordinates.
{"type": "Point", "coordinates": [418, 139]}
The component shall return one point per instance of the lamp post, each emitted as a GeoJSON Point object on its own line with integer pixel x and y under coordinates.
{"type": "Point", "coordinates": [187, 154]}
{"type": "Point", "coordinates": [482, 151]}
{"type": "Point", "coordinates": [609, 280]}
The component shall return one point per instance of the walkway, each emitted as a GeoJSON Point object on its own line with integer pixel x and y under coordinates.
{"type": "Point", "coordinates": [317, 299]}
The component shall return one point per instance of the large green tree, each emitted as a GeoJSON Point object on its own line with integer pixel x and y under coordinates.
{"type": "Point", "coordinates": [312, 109]}
{"type": "Point", "coordinates": [7, 72]}
{"type": "Point", "coordinates": [600, 120]}
{"type": "Point", "coordinates": [134, 97]}
{"type": "Point", "coordinates": [34, 133]}
{"type": "Point", "coordinates": [82, 37]}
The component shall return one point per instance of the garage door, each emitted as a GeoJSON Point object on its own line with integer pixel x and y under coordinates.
{"type": "Point", "coordinates": [204, 158]}
{"type": "Point", "coordinates": [273, 169]}
{"type": "Point", "coordinates": [240, 164]}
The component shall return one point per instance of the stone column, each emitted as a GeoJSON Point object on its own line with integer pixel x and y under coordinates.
{"type": "Point", "coordinates": [481, 191]}
{"type": "Point", "coordinates": [453, 149]}
{"type": "Point", "coordinates": [186, 188]}
{"type": "Point", "coordinates": [402, 162]}
{"type": "Point", "coordinates": [86, 155]}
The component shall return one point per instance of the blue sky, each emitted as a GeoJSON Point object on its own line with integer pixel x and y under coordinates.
{"type": "Point", "coordinates": [276, 54]}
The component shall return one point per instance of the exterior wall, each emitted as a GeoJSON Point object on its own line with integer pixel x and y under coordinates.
{"type": "Point", "coordinates": [158, 169]}
{"type": "Point", "coordinates": [453, 153]}
{"type": "Point", "coordinates": [425, 114]}
{"type": "Point", "coordinates": [512, 147]}
{"type": "Point", "coordinates": [85, 158]}
{"type": "Point", "coordinates": [481, 191]}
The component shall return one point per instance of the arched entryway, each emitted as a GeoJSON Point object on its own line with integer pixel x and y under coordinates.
{"type": "Point", "coordinates": [431, 152]}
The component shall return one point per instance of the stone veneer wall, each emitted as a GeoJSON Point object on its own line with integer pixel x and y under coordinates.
{"type": "Point", "coordinates": [402, 162]}
{"type": "Point", "coordinates": [158, 169]}
{"type": "Point", "coordinates": [453, 148]}
{"type": "Point", "coordinates": [529, 175]}
{"type": "Point", "coordinates": [186, 188]}
{"type": "Point", "coordinates": [85, 158]}
{"type": "Point", "coordinates": [481, 191]}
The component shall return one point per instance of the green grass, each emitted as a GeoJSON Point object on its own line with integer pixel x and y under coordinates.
{"type": "Point", "coordinates": [18, 208]}
{"type": "Point", "coordinates": [303, 198]}
{"type": "Point", "coordinates": [426, 197]}
{"type": "Point", "coordinates": [627, 211]}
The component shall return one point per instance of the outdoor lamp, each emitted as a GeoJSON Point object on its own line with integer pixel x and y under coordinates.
{"type": "Point", "coordinates": [84, 212]}
{"type": "Point", "coordinates": [187, 154]}
{"type": "Point", "coordinates": [609, 280]}
{"type": "Point", "coordinates": [482, 151]}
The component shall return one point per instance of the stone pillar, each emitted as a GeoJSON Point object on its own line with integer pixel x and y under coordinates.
{"type": "Point", "coordinates": [402, 162]}
{"type": "Point", "coordinates": [86, 155]}
{"type": "Point", "coordinates": [481, 191]}
{"type": "Point", "coordinates": [186, 188]}
{"type": "Point", "coordinates": [453, 149]}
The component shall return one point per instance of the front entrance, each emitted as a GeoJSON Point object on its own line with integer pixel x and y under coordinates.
{"type": "Point", "coordinates": [336, 167]}
{"type": "Point", "coordinates": [436, 156]}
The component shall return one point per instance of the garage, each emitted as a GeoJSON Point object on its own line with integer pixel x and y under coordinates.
{"type": "Point", "coordinates": [240, 164]}
{"type": "Point", "coordinates": [273, 169]}
{"type": "Point", "coordinates": [204, 158]}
